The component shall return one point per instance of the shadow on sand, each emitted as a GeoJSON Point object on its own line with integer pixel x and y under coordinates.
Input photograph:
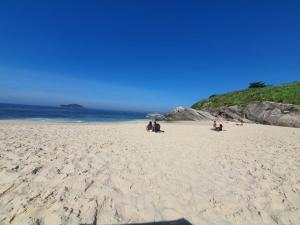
{"type": "Point", "coordinates": [173, 222]}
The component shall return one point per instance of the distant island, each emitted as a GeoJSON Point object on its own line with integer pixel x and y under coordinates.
{"type": "Point", "coordinates": [72, 106]}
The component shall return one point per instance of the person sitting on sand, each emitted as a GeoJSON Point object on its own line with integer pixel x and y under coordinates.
{"type": "Point", "coordinates": [149, 126]}
{"type": "Point", "coordinates": [214, 125]}
{"type": "Point", "coordinates": [219, 128]}
{"type": "Point", "coordinates": [156, 127]}
{"type": "Point", "coordinates": [242, 122]}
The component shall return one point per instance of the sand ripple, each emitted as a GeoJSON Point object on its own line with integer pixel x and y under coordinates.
{"type": "Point", "coordinates": [118, 173]}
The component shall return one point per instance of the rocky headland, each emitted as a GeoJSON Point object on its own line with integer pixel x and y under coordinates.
{"type": "Point", "coordinates": [272, 105]}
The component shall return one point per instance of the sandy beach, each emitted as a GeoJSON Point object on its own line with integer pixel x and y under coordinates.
{"type": "Point", "coordinates": [117, 173]}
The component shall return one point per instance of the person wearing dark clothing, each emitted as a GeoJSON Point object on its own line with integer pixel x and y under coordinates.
{"type": "Point", "coordinates": [149, 127]}
{"type": "Point", "coordinates": [219, 128]}
{"type": "Point", "coordinates": [156, 127]}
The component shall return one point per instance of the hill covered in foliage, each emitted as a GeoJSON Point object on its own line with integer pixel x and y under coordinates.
{"type": "Point", "coordinates": [285, 93]}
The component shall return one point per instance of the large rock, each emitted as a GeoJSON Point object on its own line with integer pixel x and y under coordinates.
{"type": "Point", "coordinates": [231, 113]}
{"type": "Point", "coordinates": [274, 113]}
{"type": "Point", "coordinates": [155, 116]}
{"type": "Point", "coordinates": [187, 114]}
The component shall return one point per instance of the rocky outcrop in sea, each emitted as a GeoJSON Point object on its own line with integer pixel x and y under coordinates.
{"type": "Point", "coordinates": [182, 114]}
{"type": "Point", "coordinates": [187, 114]}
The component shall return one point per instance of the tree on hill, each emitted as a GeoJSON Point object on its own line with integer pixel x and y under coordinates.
{"type": "Point", "coordinates": [212, 96]}
{"type": "Point", "coordinates": [257, 85]}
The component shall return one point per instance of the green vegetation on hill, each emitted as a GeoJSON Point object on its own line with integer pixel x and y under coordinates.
{"type": "Point", "coordinates": [285, 93]}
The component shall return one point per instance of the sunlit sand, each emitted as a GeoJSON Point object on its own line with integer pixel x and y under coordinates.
{"type": "Point", "coordinates": [117, 173]}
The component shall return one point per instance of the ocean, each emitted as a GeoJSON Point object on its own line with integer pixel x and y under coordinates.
{"type": "Point", "coordinates": [59, 114]}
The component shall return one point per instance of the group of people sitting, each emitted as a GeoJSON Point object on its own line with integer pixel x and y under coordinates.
{"type": "Point", "coordinates": [217, 128]}
{"type": "Point", "coordinates": [155, 127]}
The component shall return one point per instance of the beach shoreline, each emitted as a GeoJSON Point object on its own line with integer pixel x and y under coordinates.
{"type": "Point", "coordinates": [117, 173]}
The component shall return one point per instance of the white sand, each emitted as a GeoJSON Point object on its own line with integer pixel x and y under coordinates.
{"type": "Point", "coordinates": [117, 173]}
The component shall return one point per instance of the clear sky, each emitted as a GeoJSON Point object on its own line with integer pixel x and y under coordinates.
{"type": "Point", "coordinates": [143, 55]}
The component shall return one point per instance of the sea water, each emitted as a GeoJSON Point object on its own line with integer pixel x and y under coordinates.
{"type": "Point", "coordinates": [46, 113]}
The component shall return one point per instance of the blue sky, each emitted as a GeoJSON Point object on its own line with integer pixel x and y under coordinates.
{"type": "Point", "coordinates": [143, 55]}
